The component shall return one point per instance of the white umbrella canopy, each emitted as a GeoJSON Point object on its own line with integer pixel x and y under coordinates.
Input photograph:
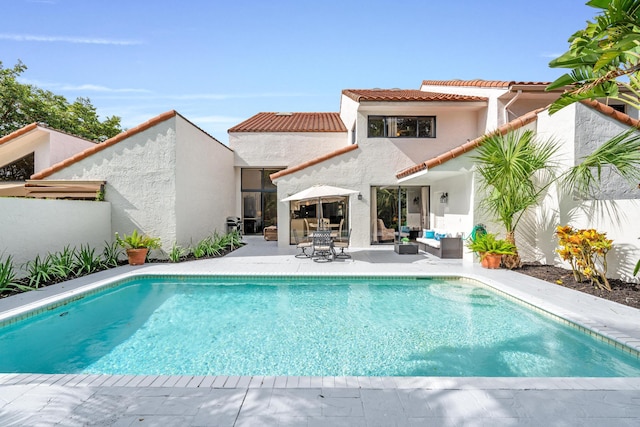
{"type": "Point", "coordinates": [319, 192]}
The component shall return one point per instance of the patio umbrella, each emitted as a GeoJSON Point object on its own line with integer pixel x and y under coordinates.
{"type": "Point", "coordinates": [319, 192]}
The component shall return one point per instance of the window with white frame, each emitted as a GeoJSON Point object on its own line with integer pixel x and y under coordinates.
{"type": "Point", "coordinates": [401, 127]}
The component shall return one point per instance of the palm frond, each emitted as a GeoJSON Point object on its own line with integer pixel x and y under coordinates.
{"type": "Point", "coordinates": [621, 152]}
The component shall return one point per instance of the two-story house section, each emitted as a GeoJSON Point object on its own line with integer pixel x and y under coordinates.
{"type": "Point", "coordinates": [388, 130]}
{"type": "Point", "coordinates": [269, 142]}
{"type": "Point", "coordinates": [377, 134]}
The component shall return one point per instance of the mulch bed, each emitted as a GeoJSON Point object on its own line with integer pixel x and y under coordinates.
{"type": "Point", "coordinates": [622, 292]}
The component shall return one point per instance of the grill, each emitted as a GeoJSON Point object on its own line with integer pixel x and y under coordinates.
{"type": "Point", "coordinates": [233, 224]}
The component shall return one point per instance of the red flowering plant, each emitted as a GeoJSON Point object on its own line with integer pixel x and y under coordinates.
{"type": "Point", "coordinates": [586, 250]}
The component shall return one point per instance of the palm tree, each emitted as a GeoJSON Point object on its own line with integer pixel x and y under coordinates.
{"type": "Point", "coordinates": [515, 171]}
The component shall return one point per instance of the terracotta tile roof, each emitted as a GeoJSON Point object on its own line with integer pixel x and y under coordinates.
{"type": "Point", "coordinates": [28, 128]}
{"type": "Point", "coordinates": [615, 114]}
{"type": "Point", "coordinates": [19, 132]}
{"type": "Point", "coordinates": [312, 162]}
{"type": "Point", "coordinates": [470, 145]}
{"type": "Point", "coordinates": [99, 147]}
{"type": "Point", "coordinates": [291, 122]}
{"type": "Point", "coordinates": [480, 83]}
{"type": "Point", "coordinates": [405, 95]}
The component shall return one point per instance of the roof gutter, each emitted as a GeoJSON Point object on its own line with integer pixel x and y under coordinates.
{"type": "Point", "coordinates": [506, 107]}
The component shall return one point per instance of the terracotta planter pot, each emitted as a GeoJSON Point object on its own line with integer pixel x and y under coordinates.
{"type": "Point", "coordinates": [491, 261]}
{"type": "Point", "coordinates": [137, 256]}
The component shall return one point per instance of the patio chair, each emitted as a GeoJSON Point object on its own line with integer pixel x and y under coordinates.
{"type": "Point", "coordinates": [385, 233]}
{"type": "Point", "coordinates": [303, 245]}
{"type": "Point", "coordinates": [322, 246]}
{"type": "Point", "coordinates": [343, 244]}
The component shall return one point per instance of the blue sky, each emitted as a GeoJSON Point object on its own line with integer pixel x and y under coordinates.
{"type": "Point", "coordinates": [220, 62]}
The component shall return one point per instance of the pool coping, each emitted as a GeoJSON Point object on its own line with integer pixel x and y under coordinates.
{"type": "Point", "coordinates": [498, 280]}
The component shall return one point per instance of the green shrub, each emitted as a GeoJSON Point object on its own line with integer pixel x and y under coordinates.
{"type": "Point", "coordinates": [86, 261]}
{"type": "Point", "coordinates": [137, 241]}
{"type": "Point", "coordinates": [110, 254]}
{"type": "Point", "coordinates": [39, 270]}
{"type": "Point", "coordinates": [62, 263]}
{"type": "Point", "coordinates": [488, 244]}
{"type": "Point", "coordinates": [8, 281]}
{"type": "Point", "coordinates": [177, 253]}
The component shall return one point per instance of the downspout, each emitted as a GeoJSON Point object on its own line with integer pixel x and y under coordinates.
{"type": "Point", "coordinates": [506, 107]}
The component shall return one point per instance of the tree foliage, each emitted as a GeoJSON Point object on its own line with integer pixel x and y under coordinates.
{"type": "Point", "coordinates": [604, 57]}
{"type": "Point", "coordinates": [22, 104]}
{"type": "Point", "coordinates": [515, 172]}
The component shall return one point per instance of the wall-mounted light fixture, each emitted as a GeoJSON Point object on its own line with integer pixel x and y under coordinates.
{"type": "Point", "coordinates": [359, 196]}
{"type": "Point", "coordinates": [444, 198]}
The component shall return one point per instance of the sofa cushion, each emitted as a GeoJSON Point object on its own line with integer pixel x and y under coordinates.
{"type": "Point", "coordinates": [430, 242]}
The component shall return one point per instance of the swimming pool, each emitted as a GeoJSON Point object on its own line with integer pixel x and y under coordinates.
{"type": "Point", "coordinates": [322, 326]}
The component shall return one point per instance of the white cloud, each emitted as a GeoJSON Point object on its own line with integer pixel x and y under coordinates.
{"type": "Point", "coordinates": [66, 39]}
{"type": "Point", "coordinates": [98, 88]}
{"type": "Point", "coordinates": [87, 87]}
{"type": "Point", "coordinates": [210, 96]}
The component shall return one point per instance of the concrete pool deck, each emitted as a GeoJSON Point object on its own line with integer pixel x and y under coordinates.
{"type": "Point", "coordinates": [32, 400]}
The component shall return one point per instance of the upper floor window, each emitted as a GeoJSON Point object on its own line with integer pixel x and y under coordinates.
{"type": "Point", "coordinates": [402, 127]}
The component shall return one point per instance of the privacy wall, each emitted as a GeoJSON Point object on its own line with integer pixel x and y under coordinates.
{"type": "Point", "coordinates": [39, 226]}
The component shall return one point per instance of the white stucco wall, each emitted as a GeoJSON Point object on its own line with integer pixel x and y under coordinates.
{"type": "Point", "coordinates": [375, 163]}
{"type": "Point", "coordinates": [32, 227]}
{"type": "Point", "coordinates": [63, 146]}
{"type": "Point", "coordinates": [49, 147]}
{"type": "Point", "coordinates": [141, 181]}
{"type": "Point", "coordinates": [454, 127]}
{"type": "Point", "coordinates": [205, 184]}
{"type": "Point", "coordinates": [493, 117]}
{"type": "Point", "coordinates": [616, 216]}
{"type": "Point", "coordinates": [282, 149]}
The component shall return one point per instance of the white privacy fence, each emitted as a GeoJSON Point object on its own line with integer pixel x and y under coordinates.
{"type": "Point", "coordinates": [38, 226]}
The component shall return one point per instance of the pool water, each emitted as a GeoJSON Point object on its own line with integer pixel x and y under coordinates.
{"type": "Point", "coordinates": [304, 326]}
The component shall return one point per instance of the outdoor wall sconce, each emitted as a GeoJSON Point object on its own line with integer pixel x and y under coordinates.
{"type": "Point", "coordinates": [444, 198]}
{"type": "Point", "coordinates": [359, 196]}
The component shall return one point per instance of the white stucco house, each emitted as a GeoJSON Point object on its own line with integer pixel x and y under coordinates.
{"type": "Point", "coordinates": [407, 155]}
{"type": "Point", "coordinates": [165, 177]}
{"type": "Point", "coordinates": [32, 149]}
{"type": "Point", "coordinates": [418, 145]}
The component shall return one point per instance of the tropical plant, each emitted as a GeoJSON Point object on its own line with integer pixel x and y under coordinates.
{"type": "Point", "coordinates": [110, 254]}
{"type": "Point", "coordinates": [622, 152]}
{"type": "Point", "coordinates": [231, 240]}
{"type": "Point", "coordinates": [137, 240]}
{"type": "Point", "coordinates": [487, 244]}
{"type": "Point", "coordinates": [87, 261]}
{"type": "Point", "coordinates": [177, 253]}
{"type": "Point", "coordinates": [600, 54]}
{"type": "Point", "coordinates": [63, 263]}
{"type": "Point", "coordinates": [39, 271]}
{"type": "Point", "coordinates": [515, 172]}
{"type": "Point", "coordinates": [8, 280]}
{"type": "Point", "coordinates": [585, 250]}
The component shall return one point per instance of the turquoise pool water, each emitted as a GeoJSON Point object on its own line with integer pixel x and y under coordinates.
{"type": "Point", "coordinates": [298, 326]}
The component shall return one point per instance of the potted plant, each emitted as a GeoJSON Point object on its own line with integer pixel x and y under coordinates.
{"type": "Point", "coordinates": [405, 240]}
{"type": "Point", "coordinates": [137, 246]}
{"type": "Point", "coordinates": [490, 249]}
